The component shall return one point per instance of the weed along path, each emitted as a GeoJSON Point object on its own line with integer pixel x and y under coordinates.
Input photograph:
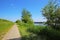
{"type": "Point", "coordinates": [13, 34]}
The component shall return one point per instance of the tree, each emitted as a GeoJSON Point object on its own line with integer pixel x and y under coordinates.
{"type": "Point", "coordinates": [26, 17]}
{"type": "Point", "coordinates": [57, 18]}
{"type": "Point", "coordinates": [50, 12]}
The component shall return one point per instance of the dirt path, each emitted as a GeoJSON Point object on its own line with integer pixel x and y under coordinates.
{"type": "Point", "coordinates": [13, 34]}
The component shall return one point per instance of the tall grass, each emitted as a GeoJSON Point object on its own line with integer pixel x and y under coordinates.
{"type": "Point", "coordinates": [29, 32]}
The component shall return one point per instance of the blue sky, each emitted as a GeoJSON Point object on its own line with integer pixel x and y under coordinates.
{"type": "Point", "coordinates": [11, 9]}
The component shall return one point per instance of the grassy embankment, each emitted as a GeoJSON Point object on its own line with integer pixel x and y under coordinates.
{"type": "Point", "coordinates": [38, 32]}
{"type": "Point", "coordinates": [29, 32]}
{"type": "Point", "coordinates": [5, 25]}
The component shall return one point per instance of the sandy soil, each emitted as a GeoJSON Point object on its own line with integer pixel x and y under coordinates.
{"type": "Point", "coordinates": [13, 34]}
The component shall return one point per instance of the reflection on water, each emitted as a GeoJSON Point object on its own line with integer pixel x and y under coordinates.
{"type": "Point", "coordinates": [38, 23]}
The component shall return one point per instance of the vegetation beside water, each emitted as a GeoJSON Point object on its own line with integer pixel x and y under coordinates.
{"type": "Point", "coordinates": [5, 25]}
{"type": "Point", "coordinates": [38, 32]}
{"type": "Point", "coordinates": [51, 31]}
{"type": "Point", "coordinates": [27, 28]}
{"type": "Point", "coordinates": [29, 32]}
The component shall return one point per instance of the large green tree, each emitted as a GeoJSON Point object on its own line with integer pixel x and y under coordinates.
{"type": "Point", "coordinates": [57, 18]}
{"type": "Point", "coordinates": [26, 17]}
{"type": "Point", "coordinates": [52, 14]}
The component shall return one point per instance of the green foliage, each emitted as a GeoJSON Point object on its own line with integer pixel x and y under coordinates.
{"type": "Point", "coordinates": [19, 22]}
{"type": "Point", "coordinates": [36, 29]}
{"type": "Point", "coordinates": [49, 11]}
{"type": "Point", "coordinates": [25, 23]}
{"type": "Point", "coordinates": [29, 32]}
{"type": "Point", "coordinates": [57, 18]}
{"type": "Point", "coordinates": [52, 14]}
{"type": "Point", "coordinates": [50, 33]}
{"type": "Point", "coordinates": [27, 28]}
{"type": "Point", "coordinates": [46, 33]}
{"type": "Point", "coordinates": [26, 17]}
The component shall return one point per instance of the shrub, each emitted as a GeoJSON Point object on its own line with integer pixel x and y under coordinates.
{"type": "Point", "coordinates": [50, 33]}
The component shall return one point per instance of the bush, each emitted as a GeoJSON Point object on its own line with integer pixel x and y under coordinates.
{"type": "Point", "coordinates": [50, 33]}
{"type": "Point", "coordinates": [36, 29]}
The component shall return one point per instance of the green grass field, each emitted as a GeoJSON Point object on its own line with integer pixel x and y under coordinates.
{"type": "Point", "coordinates": [5, 25]}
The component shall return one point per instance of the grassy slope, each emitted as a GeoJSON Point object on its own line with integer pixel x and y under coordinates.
{"type": "Point", "coordinates": [26, 34]}
{"type": "Point", "coordinates": [23, 30]}
{"type": "Point", "coordinates": [5, 25]}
